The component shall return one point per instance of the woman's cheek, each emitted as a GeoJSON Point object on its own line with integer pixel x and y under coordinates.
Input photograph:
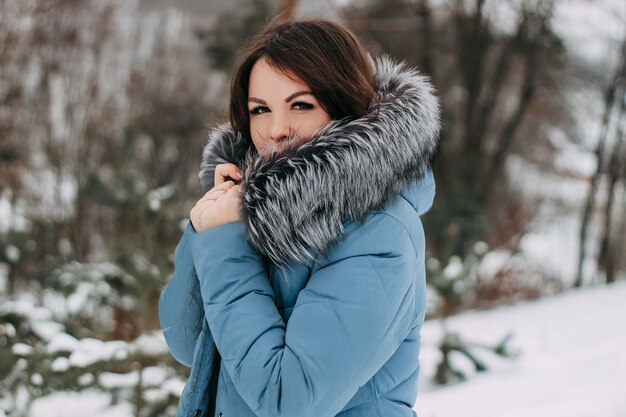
{"type": "Point", "coordinates": [254, 131]}
{"type": "Point", "coordinates": [257, 135]}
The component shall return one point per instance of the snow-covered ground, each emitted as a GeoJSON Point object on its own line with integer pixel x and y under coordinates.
{"type": "Point", "coordinates": [571, 363]}
{"type": "Point", "coordinates": [572, 360]}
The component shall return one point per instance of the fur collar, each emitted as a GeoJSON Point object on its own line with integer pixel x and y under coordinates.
{"type": "Point", "coordinates": [295, 201]}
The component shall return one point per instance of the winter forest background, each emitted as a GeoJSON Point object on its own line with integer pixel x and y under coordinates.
{"type": "Point", "coordinates": [104, 108]}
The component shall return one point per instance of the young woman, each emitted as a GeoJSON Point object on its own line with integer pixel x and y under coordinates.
{"type": "Point", "coordinates": [299, 283]}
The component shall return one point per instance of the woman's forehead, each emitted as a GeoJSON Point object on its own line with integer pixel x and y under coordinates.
{"type": "Point", "coordinates": [265, 78]}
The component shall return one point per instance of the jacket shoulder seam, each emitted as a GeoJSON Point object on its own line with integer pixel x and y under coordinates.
{"type": "Point", "coordinates": [386, 213]}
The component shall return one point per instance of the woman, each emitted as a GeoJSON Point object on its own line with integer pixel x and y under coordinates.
{"type": "Point", "coordinates": [299, 284]}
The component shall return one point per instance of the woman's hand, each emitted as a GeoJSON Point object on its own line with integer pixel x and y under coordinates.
{"type": "Point", "coordinates": [223, 171]}
{"type": "Point", "coordinates": [222, 203]}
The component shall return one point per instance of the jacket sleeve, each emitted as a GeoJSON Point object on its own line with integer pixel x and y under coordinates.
{"type": "Point", "coordinates": [180, 303]}
{"type": "Point", "coordinates": [347, 322]}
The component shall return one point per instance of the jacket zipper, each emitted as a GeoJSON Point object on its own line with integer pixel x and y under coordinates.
{"type": "Point", "coordinates": [217, 359]}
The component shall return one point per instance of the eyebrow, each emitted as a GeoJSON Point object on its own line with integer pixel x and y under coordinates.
{"type": "Point", "coordinates": [287, 100]}
{"type": "Point", "coordinates": [296, 94]}
{"type": "Point", "coordinates": [257, 100]}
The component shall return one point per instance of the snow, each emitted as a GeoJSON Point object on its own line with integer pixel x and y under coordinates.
{"type": "Point", "coordinates": [86, 379]}
{"type": "Point", "coordinates": [7, 329]}
{"type": "Point", "coordinates": [454, 268]}
{"type": "Point", "coordinates": [38, 318]}
{"type": "Point", "coordinates": [154, 376]}
{"type": "Point", "coordinates": [572, 361]}
{"type": "Point", "coordinates": [36, 379]}
{"type": "Point", "coordinates": [60, 364]}
{"type": "Point", "coordinates": [12, 253]}
{"type": "Point", "coordinates": [78, 299]}
{"type": "Point", "coordinates": [21, 349]}
{"type": "Point", "coordinates": [46, 330]}
{"type": "Point", "coordinates": [481, 248]}
{"type": "Point", "coordinates": [174, 387]}
{"type": "Point", "coordinates": [552, 251]}
{"type": "Point", "coordinates": [493, 262]}
{"type": "Point", "coordinates": [111, 380]}
{"type": "Point", "coordinates": [73, 404]}
{"type": "Point", "coordinates": [4, 277]}
{"type": "Point", "coordinates": [62, 342]}
{"type": "Point", "coordinates": [153, 395]}
{"type": "Point", "coordinates": [575, 161]}
{"type": "Point", "coordinates": [91, 351]}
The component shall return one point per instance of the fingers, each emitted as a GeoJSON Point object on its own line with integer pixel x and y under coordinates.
{"type": "Point", "coordinates": [222, 171]}
{"type": "Point", "coordinates": [213, 194]}
{"type": "Point", "coordinates": [216, 204]}
{"type": "Point", "coordinates": [235, 194]}
{"type": "Point", "coordinates": [224, 186]}
{"type": "Point", "coordinates": [216, 194]}
{"type": "Point", "coordinates": [235, 190]}
{"type": "Point", "coordinates": [218, 190]}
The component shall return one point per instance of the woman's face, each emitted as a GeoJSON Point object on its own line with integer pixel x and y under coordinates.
{"type": "Point", "coordinates": [279, 107]}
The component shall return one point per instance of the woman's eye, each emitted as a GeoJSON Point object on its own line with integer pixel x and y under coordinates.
{"type": "Point", "coordinates": [301, 105]}
{"type": "Point", "coordinates": [259, 110]}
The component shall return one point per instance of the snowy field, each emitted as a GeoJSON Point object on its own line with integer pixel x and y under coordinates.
{"type": "Point", "coordinates": [572, 360]}
{"type": "Point", "coordinates": [571, 363]}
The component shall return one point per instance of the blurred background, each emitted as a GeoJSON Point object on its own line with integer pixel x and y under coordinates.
{"type": "Point", "coordinates": [104, 110]}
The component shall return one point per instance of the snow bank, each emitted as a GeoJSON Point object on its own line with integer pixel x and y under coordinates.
{"type": "Point", "coordinates": [572, 363]}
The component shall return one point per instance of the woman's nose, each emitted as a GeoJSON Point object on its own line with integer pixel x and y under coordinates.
{"type": "Point", "coordinates": [280, 128]}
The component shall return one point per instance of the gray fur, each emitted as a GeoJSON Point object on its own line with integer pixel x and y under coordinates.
{"type": "Point", "coordinates": [295, 201]}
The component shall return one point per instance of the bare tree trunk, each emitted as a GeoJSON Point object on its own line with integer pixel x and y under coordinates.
{"type": "Point", "coordinates": [589, 205]}
{"type": "Point", "coordinates": [614, 174]}
{"type": "Point", "coordinates": [11, 280]}
{"type": "Point", "coordinates": [488, 105]}
{"type": "Point", "coordinates": [472, 58]}
{"type": "Point", "coordinates": [614, 258]}
{"type": "Point", "coordinates": [487, 180]}
{"type": "Point", "coordinates": [423, 12]}
{"type": "Point", "coordinates": [289, 9]}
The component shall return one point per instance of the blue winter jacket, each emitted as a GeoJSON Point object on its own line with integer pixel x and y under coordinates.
{"type": "Point", "coordinates": [315, 309]}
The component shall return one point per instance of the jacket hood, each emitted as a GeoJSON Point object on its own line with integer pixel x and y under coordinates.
{"type": "Point", "coordinates": [421, 193]}
{"type": "Point", "coordinates": [295, 199]}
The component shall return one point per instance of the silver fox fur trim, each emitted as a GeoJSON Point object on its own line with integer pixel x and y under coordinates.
{"type": "Point", "coordinates": [295, 200]}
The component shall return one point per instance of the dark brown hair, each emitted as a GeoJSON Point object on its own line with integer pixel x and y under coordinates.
{"type": "Point", "coordinates": [326, 56]}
